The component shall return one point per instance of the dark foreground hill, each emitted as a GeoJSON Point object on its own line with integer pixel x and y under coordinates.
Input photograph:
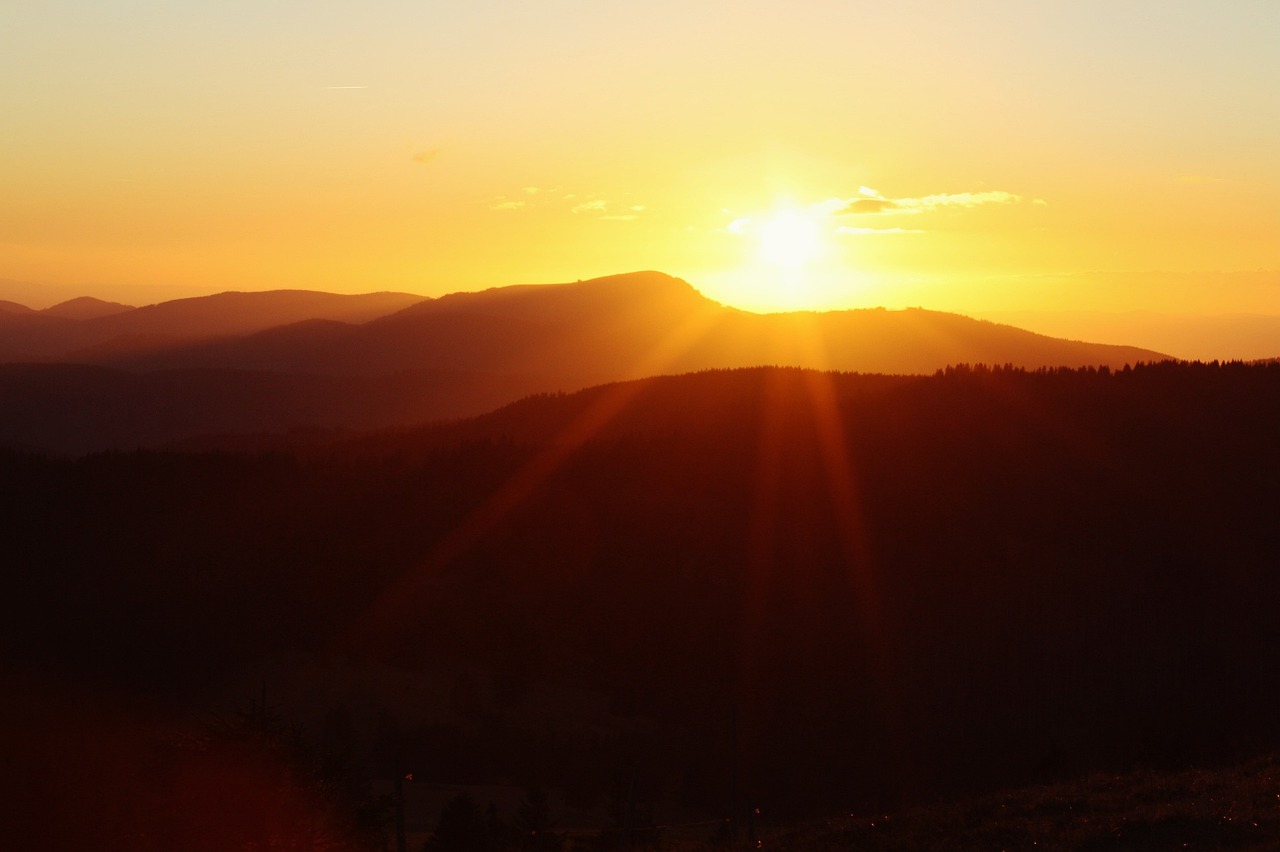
{"type": "Point", "coordinates": [138, 378]}
{"type": "Point", "coordinates": [809, 591]}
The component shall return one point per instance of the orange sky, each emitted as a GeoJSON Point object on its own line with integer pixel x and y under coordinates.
{"type": "Point", "coordinates": [964, 156]}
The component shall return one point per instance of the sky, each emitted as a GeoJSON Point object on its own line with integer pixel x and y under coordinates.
{"type": "Point", "coordinates": [966, 155]}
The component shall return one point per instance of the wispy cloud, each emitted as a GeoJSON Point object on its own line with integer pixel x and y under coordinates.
{"type": "Point", "coordinates": [832, 215]}
{"type": "Point", "coordinates": [961, 199]}
{"type": "Point", "coordinates": [590, 205]}
{"type": "Point", "coordinates": [869, 201]}
{"type": "Point", "coordinates": [847, 229]}
{"type": "Point", "coordinates": [869, 205]}
{"type": "Point", "coordinates": [424, 157]}
{"type": "Point", "coordinates": [630, 214]}
{"type": "Point", "coordinates": [343, 87]}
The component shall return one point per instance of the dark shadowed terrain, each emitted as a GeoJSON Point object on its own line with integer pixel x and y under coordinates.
{"type": "Point", "coordinates": [815, 592]}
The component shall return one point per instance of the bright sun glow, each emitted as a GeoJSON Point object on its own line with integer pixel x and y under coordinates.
{"type": "Point", "coordinates": [790, 239]}
{"type": "Point", "coordinates": [791, 258]}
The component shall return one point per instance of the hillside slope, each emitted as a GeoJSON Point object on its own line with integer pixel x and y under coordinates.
{"type": "Point", "coordinates": [853, 589]}
{"type": "Point", "coordinates": [456, 356]}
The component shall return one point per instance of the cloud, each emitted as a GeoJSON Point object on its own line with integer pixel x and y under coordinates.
{"type": "Point", "coordinates": [553, 198]}
{"type": "Point", "coordinates": [964, 199]}
{"type": "Point", "coordinates": [845, 229]}
{"type": "Point", "coordinates": [868, 205]}
{"type": "Point", "coordinates": [632, 213]}
{"type": "Point", "coordinates": [427, 156]}
{"type": "Point", "coordinates": [872, 202]}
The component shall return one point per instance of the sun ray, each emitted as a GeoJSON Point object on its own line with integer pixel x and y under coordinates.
{"type": "Point", "coordinates": [833, 439]}
{"type": "Point", "coordinates": [379, 617]}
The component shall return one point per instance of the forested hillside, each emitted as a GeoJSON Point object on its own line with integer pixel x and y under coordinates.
{"type": "Point", "coordinates": [834, 589]}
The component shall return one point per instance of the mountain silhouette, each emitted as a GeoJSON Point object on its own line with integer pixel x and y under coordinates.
{"type": "Point", "coordinates": [1194, 337]}
{"type": "Point", "coordinates": [248, 362]}
{"type": "Point", "coordinates": [7, 307]}
{"type": "Point", "coordinates": [624, 326]}
{"type": "Point", "coordinates": [74, 331]}
{"type": "Point", "coordinates": [86, 307]}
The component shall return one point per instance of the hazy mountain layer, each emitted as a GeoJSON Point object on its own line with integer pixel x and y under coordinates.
{"type": "Point", "coordinates": [275, 361]}
{"type": "Point", "coordinates": [1247, 337]}
{"type": "Point", "coordinates": [60, 332]}
{"type": "Point", "coordinates": [628, 326]}
{"type": "Point", "coordinates": [86, 308]}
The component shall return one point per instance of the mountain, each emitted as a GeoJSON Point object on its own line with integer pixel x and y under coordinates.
{"type": "Point", "coordinates": [1245, 337]}
{"type": "Point", "coordinates": [626, 326]}
{"type": "Point", "coordinates": [86, 307]}
{"type": "Point", "coordinates": [64, 332]}
{"type": "Point", "coordinates": [7, 307]}
{"type": "Point", "coordinates": [455, 356]}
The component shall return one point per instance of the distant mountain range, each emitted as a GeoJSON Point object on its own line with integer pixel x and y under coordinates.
{"type": "Point", "coordinates": [87, 374]}
{"type": "Point", "coordinates": [74, 330]}
{"type": "Point", "coordinates": [1249, 337]}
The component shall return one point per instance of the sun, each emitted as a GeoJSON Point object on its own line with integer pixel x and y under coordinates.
{"type": "Point", "coordinates": [790, 239]}
{"type": "Point", "coordinates": [790, 256]}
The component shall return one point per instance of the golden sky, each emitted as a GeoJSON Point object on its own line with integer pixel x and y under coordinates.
{"type": "Point", "coordinates": [964, 155]}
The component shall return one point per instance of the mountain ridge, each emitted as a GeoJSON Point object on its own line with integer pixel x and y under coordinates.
{"type": "Point", "coordinates": [86, 307]}
{"type": "Point", "coordinates": [193, 367]}
{"type": "Point", "coordinates": [59, 332]}
{"type": "Point", "coordinates": [631, 325]}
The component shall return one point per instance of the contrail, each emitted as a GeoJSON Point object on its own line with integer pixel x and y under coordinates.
{"type": "Point", "coordinates": [344, 87]}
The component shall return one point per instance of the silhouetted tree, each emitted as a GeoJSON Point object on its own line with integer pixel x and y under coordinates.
{"type": "Point", "coordinates": [534, 825]}
{"type": "Point", "coordinates": [463, 827]}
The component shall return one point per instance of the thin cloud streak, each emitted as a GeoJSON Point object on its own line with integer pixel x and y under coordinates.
{"type": "Point", "coordinates": [873, 202]}
{"type": "Point", "coordinates": [589, 205]}
{"type": "Point", "coordinates": [846, 229]}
